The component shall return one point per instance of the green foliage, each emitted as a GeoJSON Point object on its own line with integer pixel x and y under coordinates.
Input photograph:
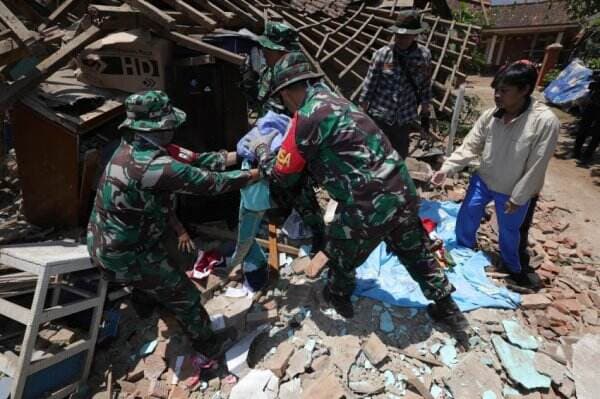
{"type": "Point", "coordinates": [582, 9]}
{"type": "Point", "coordinates": [467, 15]}
{"type": "Point", "coordinates": [476, 64]}
{"type": "Point", "coordinates": [593, 63]}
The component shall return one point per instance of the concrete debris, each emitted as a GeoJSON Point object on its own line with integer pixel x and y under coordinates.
{"type": "Point", "coordinates": [419, 170]}
{"type": "Point", "coordinates": [548, 366]}
{"type": "Point", "coordinates": [291, 389]}
{"type": "Point", "coordinates": [300, 265]}
{"type": "Point", "coordinates": [254, 385]}
{"type": "Point", "coordinates": [470, 380]}
{"type": "Point", "coordinates": [448, 354]}
{"type": "Point", "coordinates": [278, 363]}
{"type": "Point", "coordinates": [586, 367]}
{"type": "Point", "coordinates": [298, 363]}
{"type": "Point", "coordinates": [366, 387]}
{"type": "Point", "coordinates": [374, 349]}
{"type": "Point", "coordinates": [316, 265]}
{"type": "Point", "coordinates": [519, 365]}
{"type": "Point", "coordinates": [535, 301]}
{"type": "Point", "coordinates": [344, 351]}
{"type": "Point", "coordinates": [518, 336]}
{"type": "Point", "coordinates": [325, 387]}
{"type": "Point", "coordinates": [158, 389]}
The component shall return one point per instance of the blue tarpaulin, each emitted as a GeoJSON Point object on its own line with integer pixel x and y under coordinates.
{"type": "Point", "coordinates": [570, 86]}
{"type": "Point", "coordinates": [383, 277]}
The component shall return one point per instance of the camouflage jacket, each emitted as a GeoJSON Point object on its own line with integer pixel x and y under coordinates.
{"type": "Point", "coordinates": [346, 154]}
{"type": "Point", "coordinates": [266, 101]}
{"type": "Point", "coordinates": [135, 195]}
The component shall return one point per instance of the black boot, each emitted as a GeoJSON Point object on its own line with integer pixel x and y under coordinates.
{"type": "Point", "coordinates": [143, 303]}
{"type": "Point", "coordinates": [217, 344]}
{"type": "Point", "coordinates": [341, 303]}
{"type": "Point", "coordinates": [526, 278]}
{"type": "Point", "coordinates": [446, 311]}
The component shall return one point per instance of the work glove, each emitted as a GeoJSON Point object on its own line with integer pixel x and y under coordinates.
{"type": "Point", "coordinates": [182, 154]}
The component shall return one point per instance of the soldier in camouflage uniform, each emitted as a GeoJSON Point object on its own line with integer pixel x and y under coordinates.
{"type": "Point", "coordinates": [348, 155]}
{"type": "Point", "coordinates": [277, 41]}
{"type": "Point", "coordinates": [132, 206]}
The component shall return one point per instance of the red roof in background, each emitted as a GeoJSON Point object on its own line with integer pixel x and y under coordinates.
{"type": "Point", "coordinates": [530, 14]}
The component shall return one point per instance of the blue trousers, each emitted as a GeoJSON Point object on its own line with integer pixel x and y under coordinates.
{"type": "Point", "coordinates": [471, 212]}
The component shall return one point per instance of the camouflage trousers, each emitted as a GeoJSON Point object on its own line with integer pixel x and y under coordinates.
{"type": "Point", "coordinates": [302, 198]}
{"type": "Point", "coordinates": [172, 289]}
{"type": "Point", "coordinates": [408, 241]}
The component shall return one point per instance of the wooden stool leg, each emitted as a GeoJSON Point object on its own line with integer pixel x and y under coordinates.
{"type": "Point", "coordinates": [273, 250]}
{"type": "Point", "coordinates": [31, 332]}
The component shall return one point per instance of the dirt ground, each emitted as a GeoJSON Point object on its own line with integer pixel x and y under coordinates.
{"type": "Point", "coordinates": [570, 185]}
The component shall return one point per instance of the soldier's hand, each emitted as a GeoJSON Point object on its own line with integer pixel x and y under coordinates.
{"type": "Point", "coordinates": [185, 243]}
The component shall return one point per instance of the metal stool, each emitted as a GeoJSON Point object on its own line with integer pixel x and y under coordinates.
{"type": "Point", "coordinates": [51, 262]}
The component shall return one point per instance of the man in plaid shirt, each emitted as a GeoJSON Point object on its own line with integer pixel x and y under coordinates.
{"type": "Point", "coordinates": [399, 81]}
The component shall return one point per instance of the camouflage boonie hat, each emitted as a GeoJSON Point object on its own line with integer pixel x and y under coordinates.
{"type": "Point", "coordinates": [293, 67]}
{"type": "Point", "coordinates": [151, 110]}
{"type": "Point", "coordinates": [279, 37]}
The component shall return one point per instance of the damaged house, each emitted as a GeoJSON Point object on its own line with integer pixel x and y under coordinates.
{"type": "Point", "coordinates": [66, 68]}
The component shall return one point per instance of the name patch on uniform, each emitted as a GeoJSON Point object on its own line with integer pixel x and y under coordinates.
{"type": "Point", "coordinates": [289, 159]}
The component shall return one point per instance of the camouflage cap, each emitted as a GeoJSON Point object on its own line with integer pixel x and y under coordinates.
{"type": "Point", "coordinates": [279, 37]}
{"type": "Point", "coordinates": [293, 67]}
{"type": "Point", "coordinates": [151, 110]}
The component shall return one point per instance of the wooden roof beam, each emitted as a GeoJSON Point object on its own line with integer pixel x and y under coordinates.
{"type": "Point", "coordinates": [192, 13]}
{"type": "Point", "coordinates": [21, 34]}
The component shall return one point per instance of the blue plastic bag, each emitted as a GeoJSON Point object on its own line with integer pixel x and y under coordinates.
{"type": "Point", "coordinates": [272, 121]}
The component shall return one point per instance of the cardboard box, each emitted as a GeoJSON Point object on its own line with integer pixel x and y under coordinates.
{"type": "Point", "coordinates": [131, 61]}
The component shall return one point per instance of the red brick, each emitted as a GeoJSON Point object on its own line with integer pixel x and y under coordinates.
{"type": "Point", "coordinates": [317, 264]}
{"type": "Point", "coordinates": [158, 389]}
{"type": "Point", "coordinates": [550, 267]}
{"type": "Point", "coordinates": [278, 363]}
{"type": "Point", "coordinates": [127, 387]}
{"type": "Point", "coordinates": [584, 300]}
{"type": "Point", "coordinates": [556, 317]}
{"type": "Point", "coordinates": [572, 305]}
{"type": "Point", "coordinates": [595, 297]}
{"type": "Point", "coordinates": [535, 301]}
{"type": "Point", "coordinates": [375, 350]}
{"type": "Point", "coordinates": [179, 393]}
{"type": "Point", "coordinates": [64, 336]}
{"type": "Point", "coordinates": [549, 334]}
{"type": "Point", "coordinates": [560, 330]}
{"type": "Point", "coordinates": [326, 387]}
